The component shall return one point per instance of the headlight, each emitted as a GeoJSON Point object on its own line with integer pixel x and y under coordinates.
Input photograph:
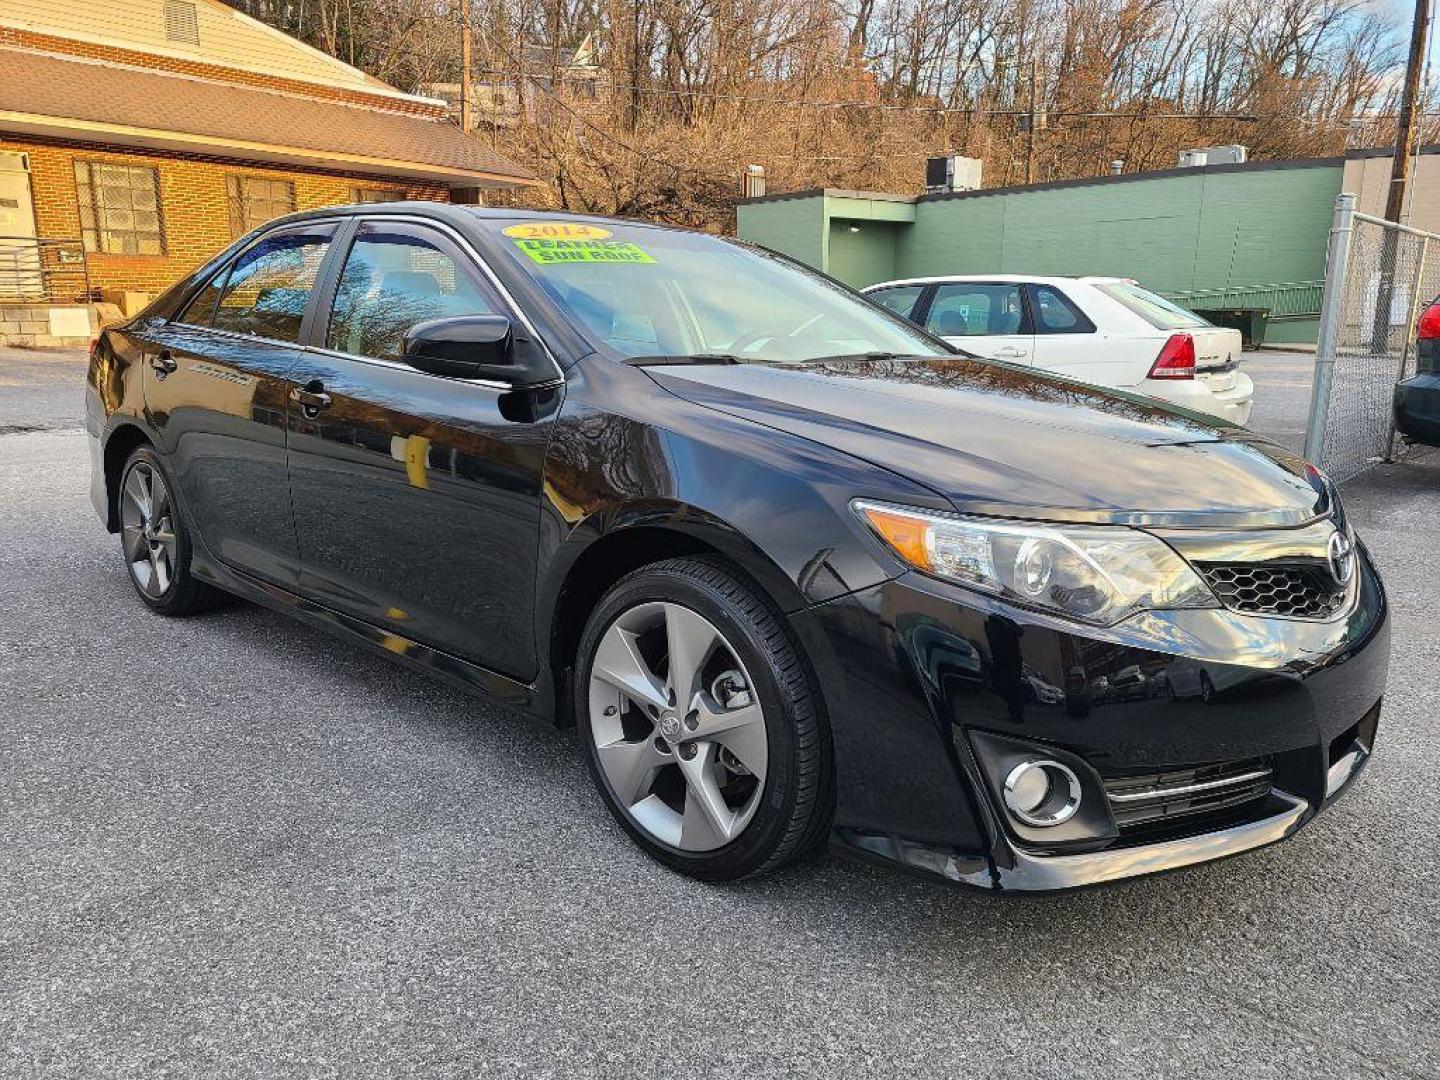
{"type": "Point", "coordinates": [1096, 573]}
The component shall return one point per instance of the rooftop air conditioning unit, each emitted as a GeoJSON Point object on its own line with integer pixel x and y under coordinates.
{"type": "Point", "coordinates": [1213, 155]}
{"type": "Point", "coordinates": [952, 173]}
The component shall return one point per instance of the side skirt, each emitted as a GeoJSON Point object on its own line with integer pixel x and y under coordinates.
{"type": "Point", "coordinates": [532, 699]}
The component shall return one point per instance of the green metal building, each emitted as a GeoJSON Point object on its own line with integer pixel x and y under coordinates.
{"type": "Point", "coordinates": [1221, 236]}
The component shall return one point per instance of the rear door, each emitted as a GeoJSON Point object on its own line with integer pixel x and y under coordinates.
{"type": "Point", "coordinates": [1068, 342]}
{"type": "Point", "coordinates": [987, 318]}
{"type": "Point", "coordinates": [216, 378]}
{"type": "Point", "coordinates": [417, 497]}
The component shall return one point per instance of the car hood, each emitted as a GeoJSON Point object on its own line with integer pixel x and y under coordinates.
{"type": "Point", "coordinates": [1000, 440]}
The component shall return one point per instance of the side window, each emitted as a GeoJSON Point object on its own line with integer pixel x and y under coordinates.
{"type": "Point", "coordinates": [1056, 313]}
{"type": "Point", "coordinates": [200, 311]}
{"type": "Point", "coordinates": [269, 284]}
{"type": "Point", "coordinates": [901, 299]}
{"type": "Point", "coordinates": [395, 276]}
{"type": "Point", "coordinates": [976, 309]}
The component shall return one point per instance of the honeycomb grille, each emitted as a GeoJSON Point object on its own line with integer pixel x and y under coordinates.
{"type": "Point", "coordinates": [1300, 592]}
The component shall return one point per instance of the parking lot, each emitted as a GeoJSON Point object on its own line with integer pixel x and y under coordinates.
{"type": "Point", "coordinates": [235, 846]}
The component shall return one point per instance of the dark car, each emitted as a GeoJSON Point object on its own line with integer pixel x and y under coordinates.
{"type": "Point", "coordinates": [791, 566]}
{"type": "Point", "coordinates": [1417, 399]}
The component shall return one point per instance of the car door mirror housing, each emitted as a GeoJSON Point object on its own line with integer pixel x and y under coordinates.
{"type": "Point", "coordinates": [475, 347]}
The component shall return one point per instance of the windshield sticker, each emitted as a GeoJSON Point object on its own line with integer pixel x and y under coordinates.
{"type": "Point", "coordinates": [549, 252]}
{"type": "Point", "coordinates": [556, 230]}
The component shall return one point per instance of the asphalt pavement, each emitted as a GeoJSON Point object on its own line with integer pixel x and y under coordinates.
{"type": "Point", "coordinates": [231, 845]}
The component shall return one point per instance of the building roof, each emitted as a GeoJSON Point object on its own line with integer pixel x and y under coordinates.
{"type": "Point", "coordinates": [208, 32]}
{"type": "Point", "coordinates": [1263, 165]}
{"type": "Point", "coordinates": [539, 59]}
{"type": "Point", "coordinates": [73, 98]}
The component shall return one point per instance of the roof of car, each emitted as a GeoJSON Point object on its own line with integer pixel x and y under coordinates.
{"type": "Point", "coordinates": [457, 212]}
{"type": "Point", "coordinates": [1042, 279]}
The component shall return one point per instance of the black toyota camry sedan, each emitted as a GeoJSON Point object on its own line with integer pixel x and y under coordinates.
{"type": "Point", "coordinates": [797, 572]}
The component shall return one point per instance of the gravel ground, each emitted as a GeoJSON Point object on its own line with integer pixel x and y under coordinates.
{"type": "Point", "coordinates": [235, 846]}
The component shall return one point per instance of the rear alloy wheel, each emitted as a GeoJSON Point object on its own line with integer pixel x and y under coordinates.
{"type": "Point", "coordinates": [147, 529]}
{"type": "Point", "coordinates": [699, 722]}
{"type": "Point", "coordinates": [155, 543]}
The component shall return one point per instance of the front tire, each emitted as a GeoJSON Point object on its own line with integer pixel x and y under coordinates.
{"type": "Point", "coordinates": [155, 540]}
{"type": "Point", "coordinates": [701, 727]}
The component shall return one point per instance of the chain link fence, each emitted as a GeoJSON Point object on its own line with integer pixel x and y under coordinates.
{"type": "Point", "coordinates": [1378, 279]}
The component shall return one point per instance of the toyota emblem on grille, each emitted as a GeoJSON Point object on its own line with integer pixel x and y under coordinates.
{"type": "Point", "coordinates": [1342, 558]}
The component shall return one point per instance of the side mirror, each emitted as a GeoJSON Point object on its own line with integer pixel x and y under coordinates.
{"type": "Point", "coordinates": [475, 347]}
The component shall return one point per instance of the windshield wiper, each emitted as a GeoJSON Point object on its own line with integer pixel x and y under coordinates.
{"type": "Point", "coordinates": [866, 357]}
{"type": "Point", "coordinates": [683, 358]}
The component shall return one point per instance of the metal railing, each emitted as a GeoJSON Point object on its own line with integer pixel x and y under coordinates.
{"type": "Point", "coordinates": [43, 270]}
{"type": "Point", "coordinates": [1281, 300]}
{"type": "Point", "coordinates": [1378, 278]}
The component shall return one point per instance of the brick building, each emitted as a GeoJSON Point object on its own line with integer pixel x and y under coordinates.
{"type": "Point", "coordinates": [139, 137]}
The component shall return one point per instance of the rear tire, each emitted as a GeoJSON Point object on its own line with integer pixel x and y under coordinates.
{"type": "Point", "coordinates": [687, 651]}
{"type": "Point", "coordinates": [155, 540]}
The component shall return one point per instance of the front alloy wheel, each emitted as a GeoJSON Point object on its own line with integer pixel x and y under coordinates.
{"type": "Point", "coordinates": [678, 734]}
{"type": "Point", "coordinates": [701, 723]}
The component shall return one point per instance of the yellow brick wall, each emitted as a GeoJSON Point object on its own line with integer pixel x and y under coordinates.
{"type": "Point", "coordinates": [193, 199]}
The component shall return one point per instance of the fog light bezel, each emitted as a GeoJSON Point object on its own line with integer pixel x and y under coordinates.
{"type": "Point", "coordinates": [1060, 781]}
{"type": "Point", "coordinates": [1090, 827]}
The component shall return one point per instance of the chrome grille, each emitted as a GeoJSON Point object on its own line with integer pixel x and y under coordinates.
{"type": "Point", "coordinates": [1150, 798]}
{"type": "Point", "coordinates": [1301, 591]}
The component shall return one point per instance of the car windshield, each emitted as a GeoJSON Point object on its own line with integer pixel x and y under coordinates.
{"type": "Point", "coordinates": [1152, 307]}
{"type": "Point", "coordinates": [648, 292]}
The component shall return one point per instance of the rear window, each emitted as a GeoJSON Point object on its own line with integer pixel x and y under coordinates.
{"type": "Point", "coordinates": [1153, 308]}
{"type": "Point", "coordinates": [900, 299]}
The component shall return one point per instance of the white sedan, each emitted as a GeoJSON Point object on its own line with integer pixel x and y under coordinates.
{"type": "Point", "coordinates": [1102, 330]}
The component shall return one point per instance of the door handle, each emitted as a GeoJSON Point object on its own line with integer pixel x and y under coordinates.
{"type": "Point", "coordinates": [1010, 350]}
{"type": "Point", "coordinates": [311, 398]}
{"type": "Point", "coordinates": [163, 363]}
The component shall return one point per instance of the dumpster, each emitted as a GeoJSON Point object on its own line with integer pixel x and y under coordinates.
{"type": "Point", "coordinates": [1251, 322]}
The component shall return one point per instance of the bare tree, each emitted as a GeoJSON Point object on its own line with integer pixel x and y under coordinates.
{"type": "Point", "coordinates": [857, 93]}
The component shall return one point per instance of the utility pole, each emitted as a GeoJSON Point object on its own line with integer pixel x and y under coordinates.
{"type": "Point", "coordinates": [1406, 130]}
{"type": "Point", "coordinates": [465, 66]}
{"type": "Point", "coordinates": [1405, 133]}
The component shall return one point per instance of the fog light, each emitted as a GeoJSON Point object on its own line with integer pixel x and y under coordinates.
{"type": "Point", "coordinates": [1042, 793]}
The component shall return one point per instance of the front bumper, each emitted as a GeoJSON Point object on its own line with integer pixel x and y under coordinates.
{"type": "Point", "coordinates": [918, 672]}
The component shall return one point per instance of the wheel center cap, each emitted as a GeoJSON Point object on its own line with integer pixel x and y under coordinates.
{"type": "Point", "coordinates": [670, 726]}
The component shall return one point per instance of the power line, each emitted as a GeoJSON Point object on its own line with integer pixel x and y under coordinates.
{"type": "Point", "coordinates": [884, 106]}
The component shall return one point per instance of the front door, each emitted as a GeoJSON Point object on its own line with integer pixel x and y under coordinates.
{"type": "Point", "coordinates": [417, 500]}
{"type": "Point", "coordinates": [986, 318]}
{"type": "Point", "coordinates": [216, 379]}
{"type": "Point", "coordinates": [21, 269]}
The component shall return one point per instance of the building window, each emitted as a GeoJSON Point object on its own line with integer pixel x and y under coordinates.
{"type": "Point", "coordinates": [254, 201]}
{"type": "Point", "coordinates": [119, 208]}
{"type": "Point", "coordinates": [181, 23]}
{"type": "Point", "coordinates": [374, 195]}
